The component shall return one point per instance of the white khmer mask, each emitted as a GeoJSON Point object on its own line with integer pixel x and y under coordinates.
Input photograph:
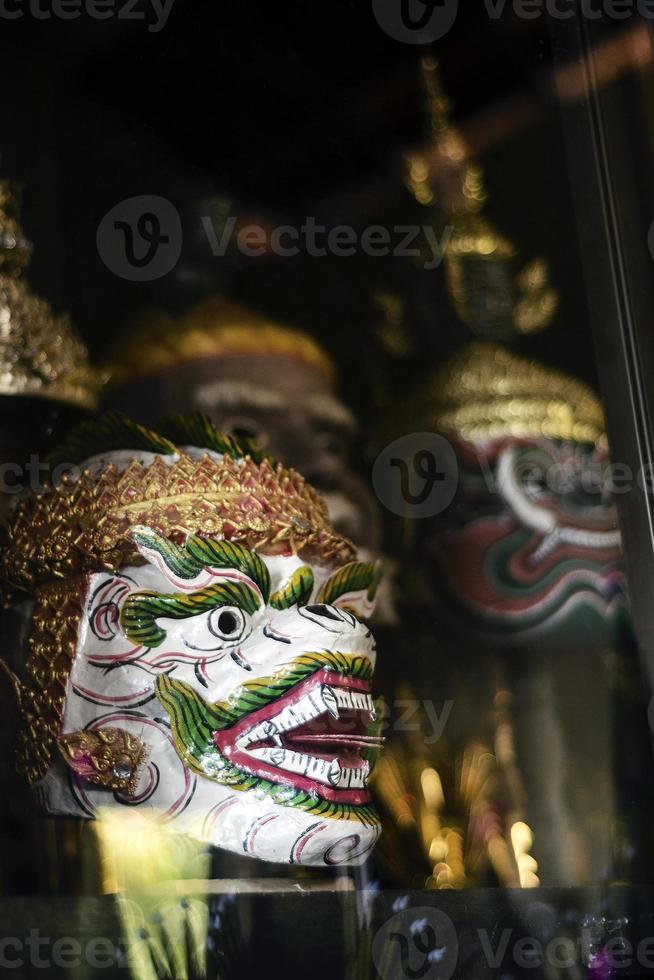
{"type": "Point", "coordinates": [196, 650]}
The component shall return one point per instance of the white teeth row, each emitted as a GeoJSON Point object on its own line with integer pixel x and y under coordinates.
{"type": "Point", "coordinates": [573, 535]}
{"type": "Point", "coordinates": [547, 545]}
{"type": "Point", "coordinates": [354, 700]}
{"type": "Point", "coordinates": [322, 770]}
{"type": "Point", "coordinates": [297, 762]}
{"type": "Point", "coordinates": [310, 706]}
{"type": "Point", "coordinates": [591, 539]}
{"type": "Point", "coordinates": [348, 778]}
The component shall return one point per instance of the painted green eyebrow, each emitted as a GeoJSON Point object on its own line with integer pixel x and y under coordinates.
{"type": "Point", "coordinates": [187, 560]}
{"type": "Point", "coordinates": [354, 577]}
{"type": "Point", "coordinates": [138, 617]}
{"type": "Point", "coordinates": [297, 590]}
{"type": "Point", "coordinates": [142, 609]}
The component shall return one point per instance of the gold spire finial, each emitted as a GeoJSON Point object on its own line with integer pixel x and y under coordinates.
{"type": "Point", "coordinates": [462, 183]}
{"type": "Point", "coordinates": [40, 353]}
{"type": "Point", "coordinates": [479, 262]}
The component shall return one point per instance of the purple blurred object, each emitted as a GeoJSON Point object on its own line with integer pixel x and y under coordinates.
{"type": "Point", "coordinates": [601, 967]}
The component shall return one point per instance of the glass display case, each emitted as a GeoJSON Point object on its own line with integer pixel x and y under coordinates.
{"type": "Point", "coordinates": [327, 472]}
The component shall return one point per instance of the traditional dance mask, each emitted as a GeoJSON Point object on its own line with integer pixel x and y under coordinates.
{"type": "Point", "coordinates": [532, 538]}
{"type": "Point", "coordinates": [194, 645]}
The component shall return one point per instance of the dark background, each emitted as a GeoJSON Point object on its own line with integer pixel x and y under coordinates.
{"type": "Point", "coordinates": [282, 111]}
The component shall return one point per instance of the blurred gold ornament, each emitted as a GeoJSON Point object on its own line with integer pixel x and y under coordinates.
{"type": "Point", "coordinates": [487, 296]}
{"type": "Point", "coordinates": [215, 328]}
{"type": "Point", "coordinates": [456, 813]}
{"type": "Point", "coordinates": [539, 302]}
{"type": "Point", "coordinates": [485, 392]}
{"type": "Point", "coordinates": [15, 249]}
{"type": "Point", "coordinates": [522, 840]}
{"type": "Point", "coordinates": [40, 353]}
{"type": "Point", "coordinates": [392, 331]}
{"type": "Point", "coordinates": [448, 815]}
{"type": "Point", "coordinates": [443, 173]}
{"type": "Point", "coordinates": [480, 263]}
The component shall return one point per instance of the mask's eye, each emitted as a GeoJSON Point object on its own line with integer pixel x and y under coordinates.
{"type": "Point", "coordinates": [534, 483]}
{"type": "Point", "coordinates": [332, 443]}
{"type": "Point", "coordinates": [534, 473]}
{"type": "Point", "coordinates": [246, 429]}
{"type": "Point", "coordinates": [226, 623]}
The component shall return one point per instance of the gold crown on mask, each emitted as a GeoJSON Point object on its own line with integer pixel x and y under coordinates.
{"type": "Point", "coordinates": [215, 328]}
{"type": "Point", "coordinates": [40, 353]}
{"type": "Point", "coordinates": [484, 392]}
{"type": "Point", "coordinates": [191, 480]}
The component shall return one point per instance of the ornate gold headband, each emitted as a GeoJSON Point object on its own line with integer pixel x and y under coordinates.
{"type": "Point", "coordinates": [485, 392]}
{"type": "Point", "coordinates": [83, 523]}
{"type": "Point", "coordinates": [214, 328]}
{"type": "Point", "coordinates": [40, 353]}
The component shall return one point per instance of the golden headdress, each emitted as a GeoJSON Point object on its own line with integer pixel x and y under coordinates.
{"type": "Point", "coordinates": [40, 353]}
{"type": "Point", "coordinates": [485, 392]}
{"type": "Point", "coordinates": [211, 485]}
{"type": "Point", "coordinates": [215, 328]}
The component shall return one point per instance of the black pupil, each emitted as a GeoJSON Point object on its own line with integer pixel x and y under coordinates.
{"type": "Point", "coordinates": [244, 432]}
{"type": "Point", "coordinates": [227, 622]}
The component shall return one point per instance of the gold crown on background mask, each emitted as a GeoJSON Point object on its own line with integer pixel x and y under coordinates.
{"type": "Point", "coordinates": [214, 328]}
{"type": "Point", "coordinates": [40, 353]}
{"type": "Point", "coordinates": [485, 392]}
{"type": "Point", "coordinates": [211, 485]}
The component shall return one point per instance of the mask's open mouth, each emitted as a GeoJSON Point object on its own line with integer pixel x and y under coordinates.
{"type": "Point", "coordinates": [305, 735]}
{"type": "Point", "coordinates": [315, 736]}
